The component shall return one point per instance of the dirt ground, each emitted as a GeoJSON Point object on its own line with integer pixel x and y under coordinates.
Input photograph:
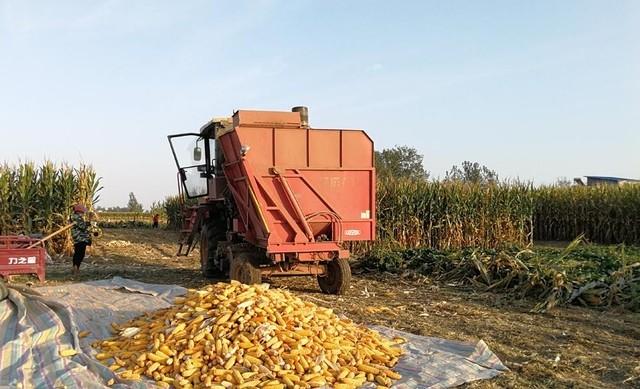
{"type": "Point", "coordinates": [570, 347]}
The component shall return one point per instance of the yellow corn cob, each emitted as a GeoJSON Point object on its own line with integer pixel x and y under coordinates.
{"type": "Point", "coordinates": [233, 335]}
{"type": "Point", "coordinates": [166, 350]}
{"type": "Point", "coordinates": [392, 374]}
{"type": "Point", "coordinates": [189, 372]}
{"type": "Point", "coordinates": [155, 357]}
{"type": "Point", "coordinates": [248, 384]}
{"type": "Point", "coordinates": [238, 377]}
{"type": "Point", "coordinates": [287, 381]}
{"type": "Point", "coordinates": [383, 380]}
{"type": "Point", "coordinates": [368, 369]}
{"type": "Point", "coordinates": [68, 352]}
{"type": "Point", "coordinates": [83, 334]}
{"type": "Point", "coordinates": [115, 367]}
{"type": "Point", "coordinates": [102, 356]}
{"type": "Point", "coordinates": [154, 366]}
{"type": "Point", "coordinates": [353, 381]}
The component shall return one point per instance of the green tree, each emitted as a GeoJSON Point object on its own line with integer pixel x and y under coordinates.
{"type": "Point", "coordinates": [400, 161]}
{"type": "Point", "coordinates": [133, 205]}
{"type": "Point", "coordinates": [472, 172]}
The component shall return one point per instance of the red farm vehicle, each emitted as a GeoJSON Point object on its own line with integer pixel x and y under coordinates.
{"type": "Point", "coordinates": [21, 255]}
{"type": "Point", "coordinates": [276, 197]}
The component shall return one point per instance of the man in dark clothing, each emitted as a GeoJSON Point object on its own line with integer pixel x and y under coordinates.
{"type": "Point", "coordinates": [80, 235]}
{"type": "Point", "coordinates": [156, 220]}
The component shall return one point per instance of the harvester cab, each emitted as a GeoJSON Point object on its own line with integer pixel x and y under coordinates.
{"type": "Point", "coordinates": [193, 171]}
{"type": "Point", "coordinates": [275, 197]}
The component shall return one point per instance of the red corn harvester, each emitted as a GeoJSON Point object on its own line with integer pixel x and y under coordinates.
{"type": "Point", "coordinates": [20, 255]}
{"type": "Point", "coordinates": [276, 197]}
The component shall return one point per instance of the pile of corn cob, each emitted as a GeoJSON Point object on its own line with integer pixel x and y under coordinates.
{"type": "Point", "coordinates": [240, 336]}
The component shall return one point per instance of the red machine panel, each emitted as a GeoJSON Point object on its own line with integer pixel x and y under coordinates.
{"type": "Point", "coordinates": [16, 258]}
{"type": "Point", "coordinates": [300, 189]}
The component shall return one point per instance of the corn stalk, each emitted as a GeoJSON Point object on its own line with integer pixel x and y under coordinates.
{"type": "Point", "coordinates": [39, 199]}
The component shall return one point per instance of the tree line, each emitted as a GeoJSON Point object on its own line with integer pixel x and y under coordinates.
{"type": "Point", "coordinates": [407, 162]}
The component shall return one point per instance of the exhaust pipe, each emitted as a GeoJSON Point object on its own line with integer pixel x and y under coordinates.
{"type": "Point", "coordinates": [304, 115]}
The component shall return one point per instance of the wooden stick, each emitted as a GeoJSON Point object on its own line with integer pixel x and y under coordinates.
{"type": "Point", "coordinates": [51, 235]}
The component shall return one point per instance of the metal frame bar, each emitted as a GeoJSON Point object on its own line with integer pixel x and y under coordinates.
{"type": "Point", "coordinates": [299, 269]}
{"type": "Point", "coordinates": [296, 206]}
{"type": "Point", "coordinates": [278, 207]}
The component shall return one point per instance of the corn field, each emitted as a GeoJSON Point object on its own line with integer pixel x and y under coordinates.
{"type": "Point", "coordinates": [411, 213]}
{"type": "Point", "coordinates": [38, 199]}
{"type": "Point", "coordinates": [603, 214]}
{"type": "Point", "coordinates": [482, 236]}
{"type": "Point", "coordinates": [109, 219]}
{"type": "Point", "coordinates": [444, 215]}
{"type": "Point", "coordinates": [447, 215]}
{"type": "Point", "coordinates": [173, 210]}
{"type": "Point", "coordinates": [170, 211]}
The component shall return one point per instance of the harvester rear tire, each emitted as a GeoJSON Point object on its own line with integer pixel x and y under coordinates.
{"type": "Point", "coordinates": [243, 270]}
{"type": "Point", "coordinates": [338, 277]}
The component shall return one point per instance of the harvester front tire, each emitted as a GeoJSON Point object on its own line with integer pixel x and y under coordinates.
{"type": "Point", "coordinates": [208, 252]}
{"type": "Point", "coordinates": [338, 277]}
{"type": "Point", "coordinates": [242, 270]}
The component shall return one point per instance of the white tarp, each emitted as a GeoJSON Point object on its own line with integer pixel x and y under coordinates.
{"type": "Point", "coordinates": [33, 329]}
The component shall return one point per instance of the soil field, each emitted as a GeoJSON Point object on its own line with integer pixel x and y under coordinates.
{"type": "Point", "coordinates": [569, 347]}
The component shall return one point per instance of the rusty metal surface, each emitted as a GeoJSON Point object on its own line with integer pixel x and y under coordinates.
{"type": "Point", "coordinates": [269, 119]}
{"type": "Point", "coordinates": [299, 269]}
{"type": "Point", "coordinates": [299, 189]}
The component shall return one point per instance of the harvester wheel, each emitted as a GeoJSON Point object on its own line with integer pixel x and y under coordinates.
{"type": "Point", "coordinates": [242, 270]}
{"type": "Point", "coordinates": [338, 277]}
{"type": "Point", "coordinates": [208, 251]}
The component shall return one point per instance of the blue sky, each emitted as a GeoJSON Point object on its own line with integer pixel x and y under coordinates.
{"type": "Point", "coordinates": [535, 90]}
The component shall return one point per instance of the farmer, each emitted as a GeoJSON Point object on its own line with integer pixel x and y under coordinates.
{"type": "Point", "coordinates": [156, 220]}
{"type": "Point", "coordinates": [80, 235]}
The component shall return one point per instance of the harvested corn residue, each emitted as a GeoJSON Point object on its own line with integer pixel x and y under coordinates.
{"type": "Point", "coordinates": [235, 335]}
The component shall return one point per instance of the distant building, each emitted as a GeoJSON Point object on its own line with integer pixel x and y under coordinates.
{"type": "Point", "coordinates": [604, 180]}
